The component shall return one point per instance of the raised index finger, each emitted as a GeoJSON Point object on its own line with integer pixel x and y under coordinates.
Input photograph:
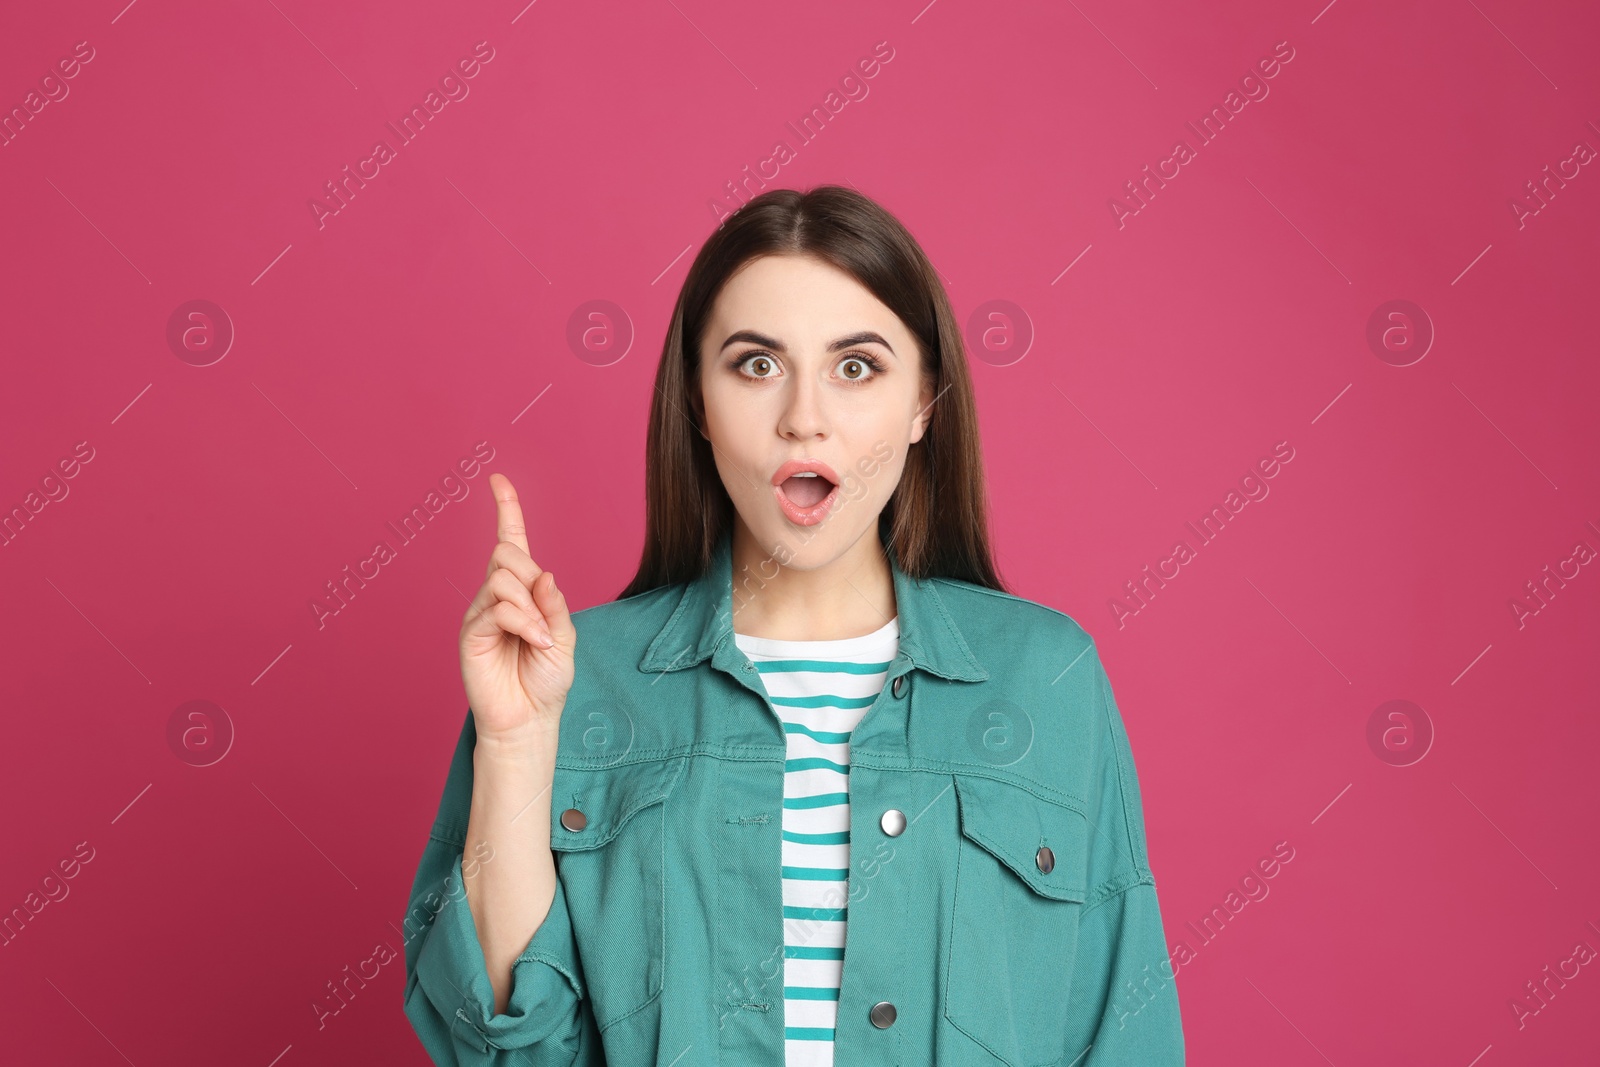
{"type": "Point", "coordinates": [509, 517]}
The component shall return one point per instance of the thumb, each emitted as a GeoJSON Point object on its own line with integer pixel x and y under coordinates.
{"type": "Point", "coordinates": [553, 605]}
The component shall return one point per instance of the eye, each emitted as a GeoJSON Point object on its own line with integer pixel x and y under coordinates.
{"type": "Point", "coordinates": [860, 359]}
{"type": "Point", "coordinates": [757, 358]}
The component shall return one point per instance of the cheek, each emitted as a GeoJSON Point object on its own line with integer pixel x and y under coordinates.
{"type": "Point", "coordinates": [737, 474]}
{"type": "Point", "coordinates": [727, 422]}
{"type": "Point", "coordinates": [873, 476]}
{"type": "Point", "coordinates": [741, 475]}
{"type": "Point", "coordinates": [734, 410]}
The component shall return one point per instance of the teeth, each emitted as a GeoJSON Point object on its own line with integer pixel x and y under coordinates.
{"type": "Point", "coordinates": [805, 474]}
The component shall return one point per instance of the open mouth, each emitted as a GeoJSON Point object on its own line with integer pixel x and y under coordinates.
{"type": "Point", "coordinates": [805, 489]}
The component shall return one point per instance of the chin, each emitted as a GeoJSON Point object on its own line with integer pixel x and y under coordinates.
{"type": "Point", "coordinates": [809, 548]}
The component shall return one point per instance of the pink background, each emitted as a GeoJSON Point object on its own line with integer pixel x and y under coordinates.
{"type": "Point", "coordinates": [373, 352]}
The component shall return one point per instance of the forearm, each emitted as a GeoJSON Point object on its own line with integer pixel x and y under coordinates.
{"type": "Point", "coordinates": [509, 894]}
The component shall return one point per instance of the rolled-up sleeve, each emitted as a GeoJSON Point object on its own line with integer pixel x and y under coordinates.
{"type": "Point", "coordinates": [1123, 983]}
{"type": "Point", "coordinates": [448, 996]}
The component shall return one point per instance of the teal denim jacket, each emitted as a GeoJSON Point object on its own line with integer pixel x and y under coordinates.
{"type": "Point", "coordinates": [1012, 920]}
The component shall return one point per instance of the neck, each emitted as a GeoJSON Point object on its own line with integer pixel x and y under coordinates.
{"type": "Point", "coordinates": [850, 595]}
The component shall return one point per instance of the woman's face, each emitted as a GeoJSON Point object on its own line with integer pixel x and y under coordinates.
{"type": "Point", "coordinates": [799, 361]}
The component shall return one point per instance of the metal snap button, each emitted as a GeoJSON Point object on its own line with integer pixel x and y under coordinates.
{"type": "Point", "coordinates": [883, 1014]}
{"type": "Point", "coordinates": [893, 822]}
{"type": "Point", "coordinates": [574, 820]}
{"type": "Point", "coordinates": [899, 685]}
{"type": "Point", "coordinates": [1045, 859]}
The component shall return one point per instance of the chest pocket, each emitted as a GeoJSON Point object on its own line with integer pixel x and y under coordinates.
{"type": "Point", "coordinates": [607, 828]}
{"type": "Point", "coordinates": [1014, 933]}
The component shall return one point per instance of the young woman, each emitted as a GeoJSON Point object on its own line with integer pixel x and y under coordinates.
{"type": "Point", "coordinates": [815, 789]}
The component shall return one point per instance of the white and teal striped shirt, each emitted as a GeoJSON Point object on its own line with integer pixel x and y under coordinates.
{"type": "Point", "coordinates": [820, 689]}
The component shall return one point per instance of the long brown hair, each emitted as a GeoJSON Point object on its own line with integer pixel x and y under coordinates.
{"type": "Point", "coordinates": [936, 521]}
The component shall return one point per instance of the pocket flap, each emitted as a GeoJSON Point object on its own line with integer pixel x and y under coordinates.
{"type": "Point", "coordinates": [608, 797]}
{"type": "Point", "coordinates": [1011, 823]}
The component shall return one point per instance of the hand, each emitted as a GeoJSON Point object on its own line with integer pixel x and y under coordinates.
{"type": "Point", "coordinates": [517, 639]}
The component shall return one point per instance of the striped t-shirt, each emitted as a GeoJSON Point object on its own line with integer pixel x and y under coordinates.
{"type": "Point", "coordinates": [820, 689]}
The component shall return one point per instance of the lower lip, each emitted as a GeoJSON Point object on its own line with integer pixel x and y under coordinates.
{"type": "Point", "coordinates": [805, 516]}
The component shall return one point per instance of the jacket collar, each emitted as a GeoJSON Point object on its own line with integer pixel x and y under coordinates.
{"type": "Point", "coordinates": [703, 620]}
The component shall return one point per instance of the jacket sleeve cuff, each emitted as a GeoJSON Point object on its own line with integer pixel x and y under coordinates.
{"type": "Point", "coordinates": [546, 981]}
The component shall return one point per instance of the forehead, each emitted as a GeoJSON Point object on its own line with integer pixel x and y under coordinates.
{"type": "Point", "coordinates": [801, 299]}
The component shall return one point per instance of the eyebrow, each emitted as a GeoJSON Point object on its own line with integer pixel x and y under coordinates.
{"type": "Point", "coordinates": [849, 340]}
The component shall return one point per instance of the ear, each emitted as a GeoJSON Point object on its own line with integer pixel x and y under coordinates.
{"type": "Point", "coordinates": [924, 411]}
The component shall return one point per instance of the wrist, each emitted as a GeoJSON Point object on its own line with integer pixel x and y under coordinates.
{"type": "Point", "coordinates": [525, 745]}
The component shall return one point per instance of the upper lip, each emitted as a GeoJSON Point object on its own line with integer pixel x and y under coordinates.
{"type": "Point", "coordinates": [796, 466]}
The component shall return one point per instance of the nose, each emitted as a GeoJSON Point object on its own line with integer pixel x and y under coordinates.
{"type": "Point", "coordinates": [803, 417]}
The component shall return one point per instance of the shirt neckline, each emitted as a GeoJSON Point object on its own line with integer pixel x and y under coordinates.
{"type": "Point", "coordinates": [841, 646]}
